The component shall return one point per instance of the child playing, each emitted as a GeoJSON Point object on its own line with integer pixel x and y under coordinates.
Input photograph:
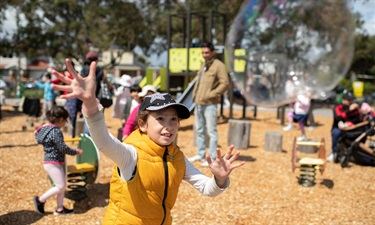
{"type": "Point", "coordinates": [51, 137]}
{"type": "Point", "coordinates": [299, 114]}
{"type": "Point", "coordinates": [368, 112]}
{"type": "Point", "coordinates": [131, 102]}
{"type": "Point", "coordinates": [149, 166]}
{"type": "Point", "coordinates": [131, 123]}
{"type": "Point", "coordinates": [48, 96]}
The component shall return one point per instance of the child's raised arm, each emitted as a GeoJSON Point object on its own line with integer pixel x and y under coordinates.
{"type": "Point", "coordinates": [79, 87]}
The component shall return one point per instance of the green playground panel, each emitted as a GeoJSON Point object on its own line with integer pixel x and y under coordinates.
{"type": "Point", "coordinates": [90, 155]}
{"type": "Point", "coordinates": [159, 82]}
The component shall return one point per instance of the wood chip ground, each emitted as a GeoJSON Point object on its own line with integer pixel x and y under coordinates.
{"type": "Point", "coordinates": [263, 191]}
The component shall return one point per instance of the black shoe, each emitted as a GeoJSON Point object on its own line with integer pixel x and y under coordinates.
{"type": "Point", "coordinates": [65, 211]}
{"type": "Point", "coordinates": [39, 206]}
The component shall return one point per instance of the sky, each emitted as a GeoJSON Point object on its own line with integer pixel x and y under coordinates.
{"type": "Point", "coordinates": [365, 7]}
{"type": "Point", "coordinates": [367, 10]}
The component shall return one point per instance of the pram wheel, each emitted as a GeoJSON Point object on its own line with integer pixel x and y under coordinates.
{"type": "Point", "coordinates": [342, 155]}
{"type": "Point", "coordinates": [336, 158]}
{"type": "Point", "coordinates": [344, 161]}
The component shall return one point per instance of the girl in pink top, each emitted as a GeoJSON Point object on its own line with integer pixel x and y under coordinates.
{"type": "Point", "coordinates": [131, 122]}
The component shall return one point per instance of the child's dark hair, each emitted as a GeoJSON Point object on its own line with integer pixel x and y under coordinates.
{"type": "Point", "coordinates": [53, 115]}
{"type": "Point", "coordinates": [135, 88]}
{"type": "Point", "coordinates": [48, 76]}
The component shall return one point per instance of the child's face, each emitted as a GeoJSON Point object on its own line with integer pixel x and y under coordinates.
{"type": "Point", "coordinates": [161, 126]}
{"type": "Point", "coordinates": [134, 95]}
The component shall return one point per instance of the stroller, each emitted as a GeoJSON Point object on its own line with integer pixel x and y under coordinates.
{"type": "Point", "coordinates": [357, 145]}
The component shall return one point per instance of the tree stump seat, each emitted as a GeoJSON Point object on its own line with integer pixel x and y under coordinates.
{"type": "Point", "coordinates": [239, 133]}
{"type": "Point", "coordinates": [273, 141]}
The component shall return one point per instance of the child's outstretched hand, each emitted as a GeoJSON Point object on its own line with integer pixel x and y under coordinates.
{"type": "Point", "coordinates": [79, 87]}
{"type": "Point", "coordinates": [223, 165]}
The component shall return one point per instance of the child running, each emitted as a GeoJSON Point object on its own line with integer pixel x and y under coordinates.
{"type": "Point", "coordinates": [51, 137]}
{"type": "Point", "coordinates": [149, 166]}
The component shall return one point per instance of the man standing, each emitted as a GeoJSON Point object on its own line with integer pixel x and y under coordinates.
{"type": "Point", "coordinates": [212, 82]}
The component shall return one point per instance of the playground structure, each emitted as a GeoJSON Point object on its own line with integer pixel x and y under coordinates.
{"type": "Point", "coordinates": [186, 59]}
{"type": "Point", "coordinates": [308, 165]}
{"type": "Point", "coordinates": [85, 171]}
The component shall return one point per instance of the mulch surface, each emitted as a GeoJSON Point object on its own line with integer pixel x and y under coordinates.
{"type": "Point", "coordinates": [263, 191]}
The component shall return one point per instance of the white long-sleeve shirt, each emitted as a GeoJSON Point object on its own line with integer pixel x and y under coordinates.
{"type": "Point", "coordinates": [125, 157]}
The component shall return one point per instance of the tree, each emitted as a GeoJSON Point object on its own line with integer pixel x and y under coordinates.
{"type": "Point", "coordinates": [64, 28]}
{"type": "Point", "coordinates": [364, 55]}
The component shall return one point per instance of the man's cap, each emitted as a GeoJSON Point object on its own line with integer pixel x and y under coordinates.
{"type": "Point", "coordinates": [348, 96]}
{"type": "Point", "coordinates": [146, 89]}
{"type": "Point", "coordinates": [160, 101]}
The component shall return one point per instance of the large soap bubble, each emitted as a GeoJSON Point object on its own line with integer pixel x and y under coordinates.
{"type": "Point", "coordinates": [278, 49]}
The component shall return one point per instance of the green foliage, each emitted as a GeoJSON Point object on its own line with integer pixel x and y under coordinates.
{"type": "Point", "coordinates": [66, 28]}
{"type": "Point", "coordinates": [346, 83]}
{"type": "Point", "coordinates": [63, 28]}
{"type": "Point", "coordinates": [369, 87]}
{"type": "Point", "coordinates": [364, 55]}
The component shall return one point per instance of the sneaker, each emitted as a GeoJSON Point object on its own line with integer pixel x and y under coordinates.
{"type": "Point", "coordinates": [288, 127]}
{"type": "Point", "coordinates": [65, 211]}
{"type": "Point", "coordinates": [195, 158]}
{"type": "Point", "coordinates": [39, 206]}
{"type": "Point", "coordinates": [204, 164]}
{"type": "Point", "coordinates": [331, 157]}
{"type": "Point", "coordinates": [302, 138]}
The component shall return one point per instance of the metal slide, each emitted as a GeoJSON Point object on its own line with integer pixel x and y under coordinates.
{"type": "Point", "coordinates": [186, 97]}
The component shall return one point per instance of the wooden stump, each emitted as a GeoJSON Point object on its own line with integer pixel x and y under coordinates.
{"type": "Point", "coordinates": [239, 133]}
{"type": "Point", "coordinates": [273, 141]}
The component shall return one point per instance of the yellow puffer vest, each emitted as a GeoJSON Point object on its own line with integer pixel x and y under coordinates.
{"type": "Point", "coordinates": [145, 199]}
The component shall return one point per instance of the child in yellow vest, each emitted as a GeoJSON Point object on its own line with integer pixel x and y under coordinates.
{"type": "Point", "coordinates": [149, 166]}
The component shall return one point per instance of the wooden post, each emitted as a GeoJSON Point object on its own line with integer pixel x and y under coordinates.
{"type": "Point", "coordinates": [239, 133]}
{"type": "Point", "coordinates": [273, 141]}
